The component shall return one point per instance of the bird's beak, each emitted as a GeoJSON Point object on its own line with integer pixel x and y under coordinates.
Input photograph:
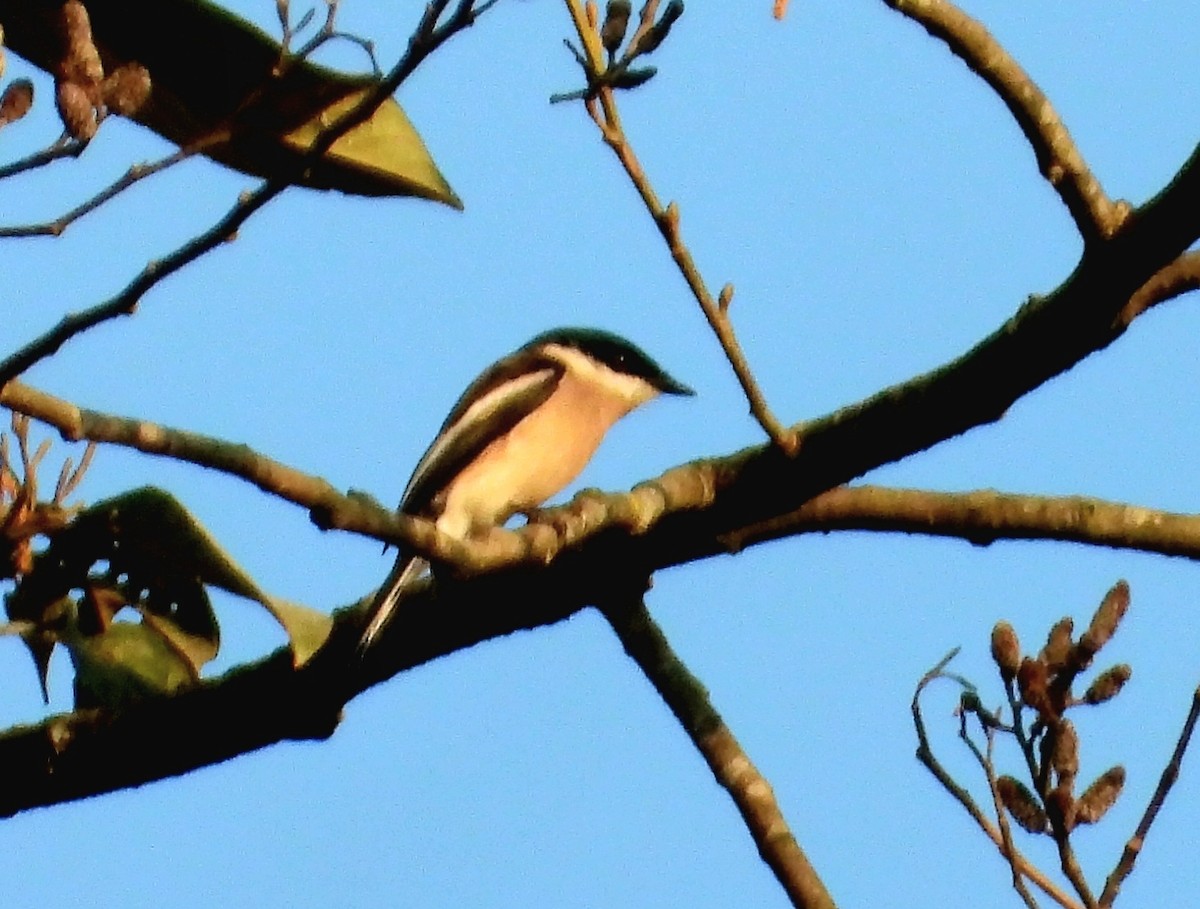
{"type": "Point", "coordinates": [673, 387]}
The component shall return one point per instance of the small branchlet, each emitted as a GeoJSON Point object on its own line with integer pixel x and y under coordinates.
{"type": "Point", "coordinates": [619, 74]}
{"type": "Point", "coordinates": [1050, 745]}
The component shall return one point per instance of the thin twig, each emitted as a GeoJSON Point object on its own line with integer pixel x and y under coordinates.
{"type": "Point", "coordinates": [602, 108]}
{"type": "Point", "coordinates": [1170, 774]}
{"type": "Point", "coordinates": [70, 148]}
{"type": "Point", "coordinates": [688, 700]}
{"type": "Point", "coordinates": [427, 38]}
{"type": "Point", "coordinates": [1007, 847]}
{"type": "Point", "coordinates": [1058, 158]}
{"type": "Point", "coordinates": [927, 758]}
{"type": "Point", "coordinates": [1069, 862]}
{"type": "Point", "coordinates": [135, 174]}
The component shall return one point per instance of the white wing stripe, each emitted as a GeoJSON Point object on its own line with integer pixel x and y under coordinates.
{"type": "Point", "coordinates": [479, 411]}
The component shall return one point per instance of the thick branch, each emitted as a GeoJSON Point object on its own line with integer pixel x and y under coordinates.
{"type": "Point", "coordinates": [78, 755]}
{"type": "Point", "coordinates": [980, 517]}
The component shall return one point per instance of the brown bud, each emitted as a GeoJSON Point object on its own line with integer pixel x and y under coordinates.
{"type": "Point", "coordinates": [1006, 650]}
{"type": "Point", "coordinates": [1058, 644]}
{"type": "Point", "coordinates": [1108, 684]}
{"type": "Point", "coordinates": [1031, 681]}
{"type": "Point", "coordinates": [616, 21]}
{"type": "Point", "coordinates": [80, 62]}
{"type": "Point", "coordinates": [16, 101]}
{"type": "Point", "coordinates": [1021, 804]}
{"type": "Point", "coordinates": [1104, 623]}
{"type": "Point", "coordinates": [1100, 796]}
{"type": "Point", "coordinates": [657, 33]}
{"type": "Point", "coordinates": [76, 110]}
{"type": "Point", "coordinates": [126, 89]}
{"type": "Point", "coordinates": [1064, 759]}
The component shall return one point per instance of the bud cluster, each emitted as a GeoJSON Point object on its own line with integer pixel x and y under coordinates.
{"type": "Point", "coordinates": [84, 94]}
{"type": "Point", "coordinates": [1044, 684]}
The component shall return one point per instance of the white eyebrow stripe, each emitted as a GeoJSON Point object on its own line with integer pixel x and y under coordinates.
{"type": "Point", "coordinates": [626, 386]}
{"type": "Point", "coordinates": [479, 411]}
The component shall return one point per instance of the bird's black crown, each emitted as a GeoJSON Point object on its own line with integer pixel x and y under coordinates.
{"type": "Point", "coordinates": [614, 352]}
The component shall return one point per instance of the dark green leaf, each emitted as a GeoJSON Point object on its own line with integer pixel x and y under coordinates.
{"type": "Point", "coordinates": [126, 663]}
{"type": "Point", "coordinates": [210, 70]}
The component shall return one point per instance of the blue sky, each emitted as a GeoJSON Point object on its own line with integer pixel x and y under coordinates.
{"type": "Point", "coordinates": [878, 212]}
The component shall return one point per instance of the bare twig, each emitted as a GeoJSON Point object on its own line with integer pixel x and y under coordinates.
{"type": "Point", "coordinates": [927, 758]}
{"type": "Point", "coordinates": [1069, 862]}
{"type": "Point", "coordinates": [62, 148]}
{"type": "Point", "coordinates": [135, 174]}
{"type": "Point", "coordinates": [603, 110]}
{"type": "Point", "coordinates": [1007, 848]}
{"type": "Point", "coordinates": [1059, 160]}
{"type": "Point", "coordinates": [688, 700]}
{"type": "Point", "coordinates": [1170, 774]}
{"type": "Point", "coordinates": [1171, 281]}
{"type": "Point", "coordinates": [982, 517]}
{"type": "Point", "coordinates": [427, 38]}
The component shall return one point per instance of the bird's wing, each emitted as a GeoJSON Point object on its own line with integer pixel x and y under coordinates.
{"type": "Point", "coordinates": [383, 607]}
{"type": "Point", "coordinates": [494, 403]}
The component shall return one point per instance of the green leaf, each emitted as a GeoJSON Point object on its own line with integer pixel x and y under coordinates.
{"type": "Point", "coordinates": [154, 529]}
{"type": "Point", "coordinates": [210, 69]}
{"type": "Point", "coordinates": [126, 663]}
{"type": "Point", "coordinates": [307, 629]}
{"type": "Point", "coordinates": [160, 559]}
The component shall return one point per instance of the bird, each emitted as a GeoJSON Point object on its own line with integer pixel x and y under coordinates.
{"type": "Point", "coordinates": [521, 432]}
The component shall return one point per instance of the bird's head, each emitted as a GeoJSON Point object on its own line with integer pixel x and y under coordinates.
{"type": "Point", "coordinates": [619, 366]}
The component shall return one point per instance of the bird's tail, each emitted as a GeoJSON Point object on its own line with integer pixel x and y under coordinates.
{"type": "Point", "coordinates": [387, 598]}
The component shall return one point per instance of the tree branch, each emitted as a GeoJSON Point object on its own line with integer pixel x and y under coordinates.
{"type": "Point", "coordinates": [71, 148]}
{"type": "Point", "coordinates": [603, 110]}
{"type": "Point", "coordinates": [133, 175]}
{"type": "Point", "coordinates": [688, 700]}
{"type": "Point", "coordinates": [980, 517]}
{"type": "Point", "coordinates": [1015, 858]}
{"type": "Point", "coordinates": [1170, 281]}
{"type": "Point", "coordinates": [1112, 886]}
{"type": "Point", "coordinates": [1059, 160]}
{"type": "Point", "coordinates": [427, 38]}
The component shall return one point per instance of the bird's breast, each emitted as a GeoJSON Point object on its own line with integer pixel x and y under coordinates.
{"type": "Point", "coordinates": [532, 462]}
